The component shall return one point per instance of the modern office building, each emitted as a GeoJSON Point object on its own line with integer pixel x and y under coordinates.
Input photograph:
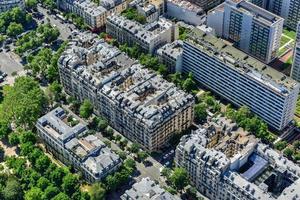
{"type": "Point", "coordinates": [185, 11]}
{"type": "Point", "coordinates": [251, 28]}
{"type": "Point", "coordinates": [146, 189]}
{"type": "Point", "coordinates": [6, 5]}
{"type": "Point", "coordinates": [171, 55]}
{"type": "Point", "coordinates": [74, 147]}
{"type": "Point", "coordinates": [225, 162]}
{"type": "Point", "coordinates": [135, 101]}
{"type": "Point", "coordinates": [148, 37]}
{"type": "Point", "coordinates": [240, 78]}
{"type": "Point", "coordinates": [287, 9]}
{"type": "Point", "coordinates": [295, 71]}
{"type": "Point", "coordinates": [94, 15]}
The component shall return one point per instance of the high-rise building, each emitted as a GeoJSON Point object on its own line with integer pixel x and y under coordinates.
{"type": "Point", "coordinates": [224, 162]}
{"type": "Point", "coordinates": [240, 78]}
{"type": "Point", "coordinates": [135, 101]}
{"type": "Point", "coordinates": [295, 72]}
{"type": "Point", "coordinates": [287, 9]}
{"type": "Point", "coordinates": [6, 5]}
{"type": "Point", "coordinates": [206, 4]}
{"type": "Point", "coordinates": [251, 28]}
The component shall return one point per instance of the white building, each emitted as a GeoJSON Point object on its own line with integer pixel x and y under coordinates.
{"type": "Point", "coordinates": [295, 71]}
{"type": "Point", "coordinates": [251, 28]}
{"type": "Point", "coordinates": [6, 5]}
{"type": "Point", "coordinates": [240, 78]}
{"type": "Point", "coordinates": [185, 11]}
{"type": "Point", "coordinates": [148, 37]}
{"type": "Point", "coordinates": [226, 163]}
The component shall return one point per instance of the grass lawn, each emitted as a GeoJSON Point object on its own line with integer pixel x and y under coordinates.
{"type": "Point", "coordinates": [284, 40]}
{"type": "Point", "coordinates": [289, 33]}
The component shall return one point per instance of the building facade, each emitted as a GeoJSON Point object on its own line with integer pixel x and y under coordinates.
{"type": "Point", "coordinates": [70, 144]}
{"type": "Point", "coordinates": [185, 11]}
{"type": "Point", "coordinates": [295, 71]}
{"type": "Point", "coordinates": [6, 5]}
{"type": "Point", "coordinates": [206, 4]}
{"type": "Point", "coordinates": [135, 101]}
{"type": "Point", "coordinates": [226, 163]}
{"type": "Point", "coordinates": [94, 15]}
{"type": "Point", "coordinates": [287, 9]}
{"type": "Point", "coordinates": [251, 28]}
{"type": "Point", "coordinates": [240, 79]}
{"type": "Point", "coordinates": [148, 37]}
{"type": "Point", "coordinates": [171, 55]}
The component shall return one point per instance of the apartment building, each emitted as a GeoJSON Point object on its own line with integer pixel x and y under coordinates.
{"type": "Point", "coordinates": [227, 163]}
{"type": "Point", "coordinates": [94, 15]}
{"type": "Point", "coordinates": [171, 55]}
{"type": "Point", "coordinates": [146, 189]}
{"type": "Point", "coordinates": [150, 9]}
{"type": "Point", "coordinates": [251, 28]}
{"type": "Point", "coordinates": [240, 78]}
{"type": "Point", "coordinates": [295, 71]}
{"type": "Point", "coordinates": [74, 147]}
{"type": "Point", "coordinates": [135, 101]}
{"type": "Point", "coordinates": [6, 5]}
{"type": "Point", "coordinates": [287, 9]}
{"type": "Point", "coordinates": [185, 11]}
{"type": "Point", "coordinates": [148, 37]}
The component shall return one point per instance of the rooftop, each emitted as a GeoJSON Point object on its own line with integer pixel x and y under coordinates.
{"type": "Point", "coordinates": [146, 95]}
{"type": "Point", "coordinates": [187, 5]}
{"type": "Point", "coordinates": [173, 49]}
{"type": "Point", "coordinates": [55, 125]}
{"type": "Point", "coordinates": [147, 32]}
{"type": "Point", "coordinates": [241, 62]}
{"type": "Point", "coordinates": [146, 189]}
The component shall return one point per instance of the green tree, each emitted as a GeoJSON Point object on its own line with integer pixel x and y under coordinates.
{"type": "Point", "coordinates": [13, 138]}
{"type": "Point", "coordinates": [135, 147]}
{"type": "Point", "coordinates": [296, 144]}
{"type": "Point", "coordinates": [50, 192]}
{"type": "Point", "coordinates": [130, 163]}
{"type": "Point", "coordinates": [200, 112]}
{"type": "Point", "coordinates": [43, 183]}
{"type": "Point", "coordinates": [288, 152]}
{"type": "Point", "coordinates": [102, 124]}
{"type": "Point", "coordinates": [34, 193]}
{"type": "Point", "coordinates": [57, 175]}
{"type": "Point", "coordinates": [86, 109]}
{"type": "Point", "coordinates": [14, 29]}
{"type": "Point", "coordinates": [23, 102]}
{"type": "Point", "coordinates": [189, 84]}
{"type": "Point", "coordinates": [142, 155]}
{"type": "Point", "coordinates": [70, 184]}
{"type": "Point", "coordinates": [61, 196]}
{"type": "Point", "coordinates": [42, 164]}
{"type": "Point", "coordinates": [97, 192]}
{"type": "Point", "coordinates": [27, 136]}
{"type": "Point", "coordinates": [12, 190]}
{"type": "Point", "coordinates": [5, 128]}
{"type": "Point", "coordinates": [280, 145]}
{"type": "Point", "coordinates": [31, 4]}
{"type": "Point", "coordinates": [179, 178]}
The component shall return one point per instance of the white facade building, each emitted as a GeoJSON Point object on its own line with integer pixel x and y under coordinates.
{"type": "Point", "coordinates": [295, 71]}
{"type": "Point", "coordinates": [6, 5]}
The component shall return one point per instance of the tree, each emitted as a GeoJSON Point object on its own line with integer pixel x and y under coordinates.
{"type": "Point", "coordinates": [179, 178]}
{"type": "Point", "coordinates": [111, 182]}
{"type": "Point", "coordinates": [102, 124]}
{"type": "Point", "coordinates": [200, 112]}
{"type": "Point", "coordinates": [1, 154]}
{"type": "Point", "coordinates": [130, 163]}
{"type": "Point", "coordinates": [34, 193]}
{"type": "Point", "coordinates": [13, 138]}
{"type": "Point", "coordinates": [189, 84]}
{"type": "Point", "coordinates": [86, 109]}
{"type": "Point", "coordinates": [70, 184]}
{"type": "Point", "coordinates": [61, 196]}
{"type": "Point", "coordinates": [135, 147]}
{"type": "Point", "coordinates": [31, 4]}
{"type": "Point", "coordinates": [5, 128]}
{"type": "Point", "coordinates": [14, 29]}
{"type": "Point", "coordinates": [97, 192]}
{"type": "Point", "coordinates": [296, 144]}
{"type": "Point", "coordinates": [12, 190]}
{"type": "Point", "coordinates": [280, 145]}
{"type": "Point", "coordinates": [23, 102]}
{"type": "Point", "coordinates": [142, 155]}
{"type": "Point", "coordinates": [288, 152]}
{"type": "Point", "coordinates": [57, 176]}
{"type": "Point", "coordinates": [27, 136]}
{"type": "Point", "coordinates": [42, 164]}
{"type": "Point", "coordinates": [43, 183]}
{"type": "Point", "coordinates": [50, 192]}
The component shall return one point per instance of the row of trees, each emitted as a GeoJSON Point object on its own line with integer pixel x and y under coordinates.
{"type": "Point", "coordinates": [290, 151]}
{"type": "Point", "coordinates": [49, 4]}
{"type": "Point", "coordinates": [14, 22]}
{"type": "Point", "coordinates": [43, 34]}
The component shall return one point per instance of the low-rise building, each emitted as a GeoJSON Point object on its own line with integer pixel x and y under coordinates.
{"type": "Point", "coordinates": [148, 37]}
{"type": "Point", "coordinates": [171, 55]}
{"type": "Point", "coordinates": [94, 15]}
{"type": "Point", "coordinates": [150, 9]}
{"type": "Point", "coordinates": [224, 162]}
{"type": "Point", "coordinates": [6, 5]}
{"type": "Point", "coordinates": [146, 189]}
{"type": "Point", "coordinates": [185, 11]}
{"type": "Point", "coordinates": [135, 101]}
{"type": "Point", "coordinates": [73, 146]}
